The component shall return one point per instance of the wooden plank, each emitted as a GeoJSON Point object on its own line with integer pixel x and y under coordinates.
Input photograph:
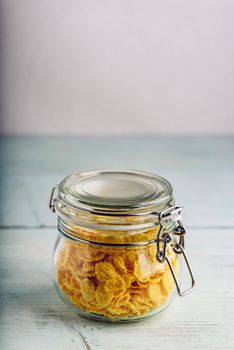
{"type": "Point", "coordinates": [201, 170]}
{"type": "Point", "coordinates": [33, 317]}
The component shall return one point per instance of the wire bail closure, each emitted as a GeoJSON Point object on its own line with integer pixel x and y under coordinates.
{"type": "Point", "coordinates": [164, 238]}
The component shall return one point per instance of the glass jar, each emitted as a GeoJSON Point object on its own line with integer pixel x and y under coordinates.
{"type": "Point", "coordinates": [120, 236]}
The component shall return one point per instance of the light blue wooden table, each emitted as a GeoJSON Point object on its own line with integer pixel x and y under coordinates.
{"type": "Point", "coordinates": [32, 316]}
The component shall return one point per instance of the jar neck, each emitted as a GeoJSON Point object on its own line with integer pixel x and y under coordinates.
{"type": "Point", "coordinates": [115, 237]}
{"type": "Point", "coordinates": [133, 219]}
{"type": "Point", "coordinates": [120, 235]}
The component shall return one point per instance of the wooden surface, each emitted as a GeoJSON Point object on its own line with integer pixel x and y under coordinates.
{"type": "Point", "coordinates": [33, 317]}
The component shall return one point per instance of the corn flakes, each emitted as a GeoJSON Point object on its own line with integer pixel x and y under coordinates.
{"type": "Point", "coordinates": [115, 282]}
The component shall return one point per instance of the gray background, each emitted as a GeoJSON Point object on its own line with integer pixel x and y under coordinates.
{"type": "Point", "coordinates": [117, 67]}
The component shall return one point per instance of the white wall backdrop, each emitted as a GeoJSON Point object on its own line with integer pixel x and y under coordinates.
{"type": "Point", "coordinates": [117, 67]}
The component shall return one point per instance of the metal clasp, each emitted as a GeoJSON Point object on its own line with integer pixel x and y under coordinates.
{"type": "Point", "coordinates": [180, 231]}
{"type": "Point", "coordinates": [164, 238]}
{"type": "Point", "coordinates": [180, 250]}
{"type": "Point", "coordinates": [52, 199]}
{"type": "Point", "coordinates": [162, 241]}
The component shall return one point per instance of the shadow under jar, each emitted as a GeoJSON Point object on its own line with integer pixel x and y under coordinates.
{"type": "Point", "coordinates": [120, 236]}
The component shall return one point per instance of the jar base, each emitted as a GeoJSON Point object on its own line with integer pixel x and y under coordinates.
{"type": "Point", "coordinates": [106, 319]}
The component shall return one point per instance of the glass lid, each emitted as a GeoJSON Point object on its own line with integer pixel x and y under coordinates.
{"type": "Point", "coordinates": [114, 190]}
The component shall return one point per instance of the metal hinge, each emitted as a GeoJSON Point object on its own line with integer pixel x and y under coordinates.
{"type": "Point", "coordinates": [165, 238]}
{"type": "Point", "coordinates": [52, 199]}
